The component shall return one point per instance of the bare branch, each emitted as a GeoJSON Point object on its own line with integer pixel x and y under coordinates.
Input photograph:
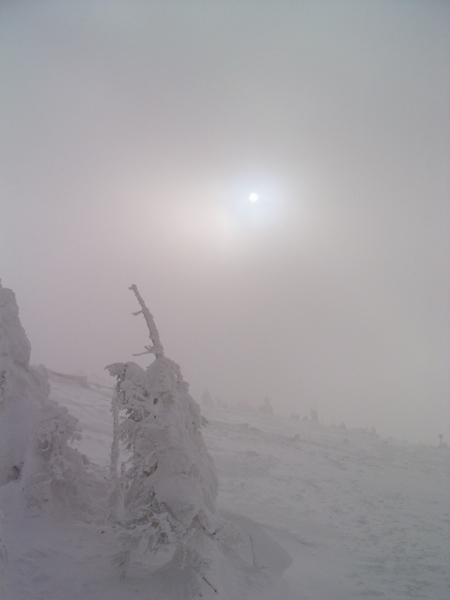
{"type": "Point", "coordinates": [157, 348]}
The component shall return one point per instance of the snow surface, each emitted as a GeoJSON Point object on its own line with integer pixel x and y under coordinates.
{"type": "Point", "coordinates": [327, 514]}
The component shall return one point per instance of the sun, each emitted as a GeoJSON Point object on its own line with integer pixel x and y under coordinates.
{"type": "Point", "coordinates": [253, 197]}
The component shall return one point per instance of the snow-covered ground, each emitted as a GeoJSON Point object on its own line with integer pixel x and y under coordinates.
{"type": "Point", "coordinates": [328, 514]}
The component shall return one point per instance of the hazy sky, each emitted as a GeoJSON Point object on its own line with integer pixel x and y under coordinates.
{"type": "Point", "coordinates": [132, 134]}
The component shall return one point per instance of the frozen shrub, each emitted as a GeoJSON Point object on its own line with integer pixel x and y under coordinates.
{"type": "Point", "coordinates": [55, 473]}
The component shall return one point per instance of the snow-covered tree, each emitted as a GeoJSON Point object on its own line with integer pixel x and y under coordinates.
{"type": "Point", "coordinates": [169, 487]}
{"type": "Point", "coordinates": [266, 408]}
{"type": "Point", "coordinates": [314, 415]}
{"type": "Point", "coordinates": [35, 433]}
{"type": "Point", "coordinates": [207, 399]}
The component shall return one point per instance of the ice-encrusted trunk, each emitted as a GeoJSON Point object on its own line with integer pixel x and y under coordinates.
{"type": "Point", "coordinates": [116, 496]}
{"type": "Point", "coordinates": [3, 557]}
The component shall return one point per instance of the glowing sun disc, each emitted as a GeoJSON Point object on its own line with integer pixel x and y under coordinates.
{"type": "Point", "coordinates": [253, 197]}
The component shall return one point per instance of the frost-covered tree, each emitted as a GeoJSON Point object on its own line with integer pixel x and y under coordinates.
{"type": "Point", "coordinates": [35, 433]}
{"type": "Point", "coordinates": [442, 444]}
{"type": "Point", "coordinates": [166, 501]}
{"type": "Point", "coordinates": [266, 408]}
{"type": "Point", "coordinates": [314, 415]}
{"type": "Point", "coordinates": [207, 399]}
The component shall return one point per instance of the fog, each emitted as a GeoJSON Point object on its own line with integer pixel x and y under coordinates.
{"type": "Point", "coordinates": [132, 136]}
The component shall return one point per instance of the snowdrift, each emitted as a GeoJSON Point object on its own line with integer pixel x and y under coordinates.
{"type": "Point", "coordinates": [308, 512]}
{"type": "Point", "coordinates": [358, 516]}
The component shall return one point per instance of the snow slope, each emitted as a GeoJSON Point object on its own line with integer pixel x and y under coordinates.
{"type": "Point", "coordinates": [327, 514]}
